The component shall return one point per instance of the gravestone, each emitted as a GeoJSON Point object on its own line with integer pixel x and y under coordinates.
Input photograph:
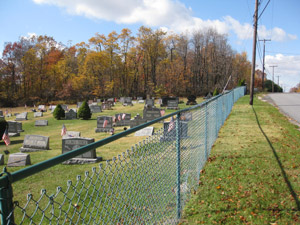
{"type": "Point", "coordinates": [33, 143]}
{"type": "Point", "coordinates": [38, 114]}
{"type": "Point", "coordinates": [128, 101]}
{"type": "Point", "coordinates": [41, 123]}
{"type": "Point", "coordinates": [122, 100]}
{"type": "Point", "coordinates": [1, 113]}
{"type": "Point", "coordinates": [164, 100]}
{"type": "Point", "coordinates": [18, 159]}
{"type": "Point", "coordinates": [137, 120]}
{"type": "Point", "coordinates": [147, 131]}
{"type": "Point", "coordinates": [15, 114]}
{"type": "Point", "coordinates": [139, 98]}
{"type": "Point", "coordinates": [65, 107]}
{"type": "Point", "coordinates": [13, 130]}
{"type": "Point", "coordinates": [90, 102]}
{"type": "Point", "coordinates": [72, 134]}
{"type": "Point", "coordinates": [95, 108]}
{"type": "Point", "coordinates": [98, 100]}
{"type": "Point", "coordinates": [101, 125]}
{"type": "Point", "coordinates": [151, 113]}
{"type": "Point", "coordinates": [112, 100]}
{"type": "Point", "coordinates": [149, 103]}
{"type": "Point", "coordinates": [172, 104]}
{"type": "Point", "coordinates": [171, 135]}
{"type": "Point", "coordinates": [72, 143]}
{"type": "Point", "coordinates": [122, 119]}
{"type": "Point", "coordinates": [9, 115]}
{"type": "Point", "coordinates": [19, 125]}
{"type": "Point", "coordinates": [79, 104]}
{"type": "Point", "coordinates": [1, 159]}
{"type": "Point", "coordinates": [106, 106]}
{"type": "Point", "coordinates": [208, 96]}
{"type": "Point", "coordinates": [70, 115]}
{"type": "Point", "coordinates": [186, 116]}
{"type": "Point", "coordinates": [42, 108]}
{"type": "Point", "coordinates": [21, 116]}
{"type": "Point", "coordinates": [141, 101]}
{"type": "Point", "coordinates": [191, 100]}
{"type": "Point", "coordinates": [53, 108]}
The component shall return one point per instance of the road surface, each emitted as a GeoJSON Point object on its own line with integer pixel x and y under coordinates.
{"type": "Point", "coordinates": [288, 103]}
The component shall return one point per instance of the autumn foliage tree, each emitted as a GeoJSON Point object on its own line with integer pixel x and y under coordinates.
{"type": "Point", "coordinates": [39, 69]}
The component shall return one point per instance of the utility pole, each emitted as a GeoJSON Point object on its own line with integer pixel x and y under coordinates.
{"type": "Point", "coordinates": [278, 80]}
{"type": "Point", "coordinates": [263, 69]}
{"type": "Point", "coordinates": [273, 78]}
{"type": "Point", "coordinates": [253, 53]}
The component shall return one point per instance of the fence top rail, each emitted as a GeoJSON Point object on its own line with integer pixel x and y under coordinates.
{"type": "Point", "coordinates": [36, 168]}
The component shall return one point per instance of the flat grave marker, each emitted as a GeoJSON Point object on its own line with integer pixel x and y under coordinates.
{"type": "Point", "coordinates": [38, 114]}
{"type": "Point", "coordinates": [147, 131]}
{"type": "Point", "coordinates": [41, 123]}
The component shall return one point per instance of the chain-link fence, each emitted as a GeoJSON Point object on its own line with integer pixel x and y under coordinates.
{"type": "Point", "coordinates": [148, 184]}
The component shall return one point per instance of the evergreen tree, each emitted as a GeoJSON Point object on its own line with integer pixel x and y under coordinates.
{"type": "Point", "coordinates": [84, 111]}
{"type": "Point", "coordinates": [59, 112]}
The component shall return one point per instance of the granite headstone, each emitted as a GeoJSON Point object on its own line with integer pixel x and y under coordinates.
{"type": "Point", "coordinates": [71, 115]}
{"type": "Point", "coordinates": [103, 126]}
{"type": "Point", "coordinates": [33, 143]}
{"type": "Point", "coordinates": [72, 143]}
{"type": "Point", "coordinates": [21, 116]}
{"type": "Point", "coordinates": [18, 159]}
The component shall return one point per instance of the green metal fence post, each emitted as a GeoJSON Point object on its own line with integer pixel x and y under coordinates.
{"type": "Point", "coordinates": [178, 126]}
{"type": "Point", "coordinates": [6, 198]}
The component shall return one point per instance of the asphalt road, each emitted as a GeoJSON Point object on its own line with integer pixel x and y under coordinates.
{"type": "Point", "coordinates": [288, 103]}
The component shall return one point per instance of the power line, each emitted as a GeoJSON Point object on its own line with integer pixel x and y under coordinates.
{"type": "Point", "coordinates": [264, 9]}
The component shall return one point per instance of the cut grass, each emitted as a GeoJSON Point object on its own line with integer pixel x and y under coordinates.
{"type": "Point", "coordinates": [60, 174]}
{"type": "Point", "coordinates": [252, 175]}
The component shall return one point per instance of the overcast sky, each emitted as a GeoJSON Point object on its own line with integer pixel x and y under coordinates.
{"type": "Point", "coordinates": [79, 20]}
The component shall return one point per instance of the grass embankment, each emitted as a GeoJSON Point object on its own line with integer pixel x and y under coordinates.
{"type": "Point", "coordinates": [252, 175]}
{"type": "Point", "coordinates": [60, 174]}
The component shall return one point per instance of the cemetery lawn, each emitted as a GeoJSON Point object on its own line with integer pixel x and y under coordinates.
{"type": "Point", "coordinates": [59, 175]}
{"type": "Point", "coordinates": [253, 173]}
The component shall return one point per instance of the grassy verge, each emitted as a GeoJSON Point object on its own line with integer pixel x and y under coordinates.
{"type": "Point", "coordinates": [252, 175]}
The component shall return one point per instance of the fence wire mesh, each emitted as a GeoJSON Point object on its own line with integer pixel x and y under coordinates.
{"type": "Point", "coordinates": [140, 186]}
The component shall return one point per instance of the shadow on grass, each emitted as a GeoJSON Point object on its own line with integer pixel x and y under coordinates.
{"type": "Point", "coordinates": [280, 164]}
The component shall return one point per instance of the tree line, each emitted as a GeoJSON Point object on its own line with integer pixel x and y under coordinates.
{"type": "Point", "coordinates": [39, 69]}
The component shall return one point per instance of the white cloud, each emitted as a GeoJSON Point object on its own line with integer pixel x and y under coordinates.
{"type": "Point", "coordinates": [170, 14]}
{"type": "Point", "coordinates": [29, 36]}
{"type": "Point", "coordinates": [288, 68]}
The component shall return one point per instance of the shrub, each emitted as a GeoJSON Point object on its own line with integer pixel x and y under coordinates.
{"type": "Point", "coordinates": [216, 92]}
{"type": "Point", "coordinates": [59, 112]}
{"type": "Point", "coordinates": [84, 111]}
{"type": "Point", "coordinates": [241, 82]}
{"type": "Point", "coordinates": [3, 126]}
